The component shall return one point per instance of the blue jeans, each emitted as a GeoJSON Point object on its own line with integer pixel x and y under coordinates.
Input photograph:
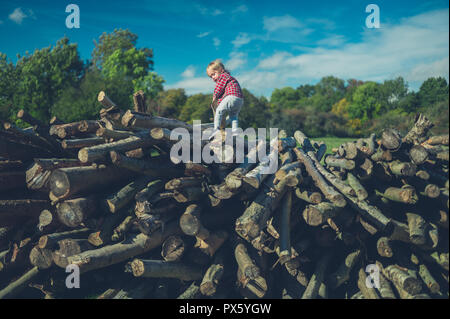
{"type": "Point", "coordinates": [230, 105]}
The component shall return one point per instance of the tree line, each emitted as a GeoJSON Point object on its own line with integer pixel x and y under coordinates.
{"type": "Point", "coordinates": [54, 81]}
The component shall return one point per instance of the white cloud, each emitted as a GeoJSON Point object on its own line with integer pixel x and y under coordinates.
{"type": "Point", "coordinates": [17, 16]}
{"type": "Point", "coordinates": [241, 39]}
{"type": "Point", "coordinates": [216, 12]}
{"type": "Point", "coordinates": [189, 72]}
{"type": "Point", "coordinates": [194, 85]}
{"type": "Point", "coordinates": [237, 59]}
{"type": "Point", "coordinates": [282, 22]}
{"type": "Point", "coordinates": [241, 9]}
{"type": "Point", "coordinates": [416, 48]}
{"type": "Point", "coordinates": [216, 42]}
{"type": "Point", "coordinates": [332, 41]}
{"type": "Point", "coordinates": [203, 34]}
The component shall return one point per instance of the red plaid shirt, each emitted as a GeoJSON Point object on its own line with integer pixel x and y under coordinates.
{"type": "Point", "coordinates": [226, 85]}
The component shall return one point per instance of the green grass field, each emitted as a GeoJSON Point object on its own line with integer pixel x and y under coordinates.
{"type": "Point", "coordinates": [333, 142]}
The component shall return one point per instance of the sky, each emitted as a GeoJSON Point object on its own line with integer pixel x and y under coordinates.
{"type": "Point", "coordinates": [264, 44]}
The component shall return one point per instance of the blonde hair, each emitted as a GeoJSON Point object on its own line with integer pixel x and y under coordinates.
{"type": "Point", "coordinates": [216, 65]}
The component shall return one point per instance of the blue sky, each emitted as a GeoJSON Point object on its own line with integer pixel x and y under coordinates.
{"type": "Point", "coordinates": [265, 44]}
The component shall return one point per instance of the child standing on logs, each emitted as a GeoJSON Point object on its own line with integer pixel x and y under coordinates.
{"type": "Point", "coordinates": [228, 95]}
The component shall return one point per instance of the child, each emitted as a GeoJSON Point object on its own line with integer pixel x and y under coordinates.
{"type": "Point", "coordinates": [228, 95]}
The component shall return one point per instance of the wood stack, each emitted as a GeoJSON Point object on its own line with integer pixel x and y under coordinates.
{"type": "Point", "coordinates": [107, 197]}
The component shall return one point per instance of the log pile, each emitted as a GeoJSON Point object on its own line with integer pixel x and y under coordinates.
{"type": "Point", "coordinates": [107, 197]}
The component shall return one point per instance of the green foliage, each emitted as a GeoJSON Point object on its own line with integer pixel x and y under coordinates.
{"type": "Point", "coordinates": [197, 107]}
{"type": "Point", "coordinates": [433, 90]}
{"type": "Point", "coordinates": [43, 76]}
{"type": "Point", "coordinates": [368, 102]}
{"type": "Point", "coordinates": [80, 102]}
{"type": "Point", "coordinates": [169, 103]}
{"type": "Point", "coordinates": [255, 111]}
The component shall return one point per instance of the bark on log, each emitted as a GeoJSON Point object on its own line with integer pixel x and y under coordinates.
{"type": "Point", "coordinates": [308, 196]}
{"type": "Point", "coordinates": [99, 152]}
{"type": "Point", "coordinates": [354, 183]}
{"type": "Point", "coordinates": [66, 182]}
{"type": "Point", "coordinates": [213, 275]}
{"type": "Point", "coordinates": [339, 162]}
{"type": "Point", "coordinates": [18, 151]}
{"type": "Point", "coordinates": [154, 167]}
{"type": "Point", "coordinates": [417, 134]}
{"type": "Point", "coordinates": [319, 181]}
{"type": "Point", "coordinates": [406, 194]}
{"type": "Point", "coordinates": [384, 247]}
{"type": "Point", "coordinates": [165, 269]}
{"type": "Point", "coordinates": [247, 266]}
{"type": "Point", "coordinates": [13, 210]}
{"type": "Point", "coordinates": [438, 140]}
{"type": "Point", "coordinates": [12, 181]}
{"type": "Point", "coordinates": [69, 247]}
{"type": "Point", "coordinates": [131, 247]}
{"type": "Point", "coordinates": [83, 142]}
{"type": "Point", "coordinates": [50, 240]}
{"type": "Point", "coordinates": [342, 274]}
{"type": "Point", "coordinates": [417, 227]}
{"type": "Point", "coordinates": [318, 277]}
{"type": "Point", "coordinates": [143, 120]}
{"type": "Point", "coordinates": [125, 195]}
{"type": "Point", "coordinates": [315, 215]}
{"type": "Point", "coordinates": [403, 279]}
{"type": "Point", "coordinates": [14, 288]}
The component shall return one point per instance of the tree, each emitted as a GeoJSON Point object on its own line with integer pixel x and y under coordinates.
{"type": "Point", "coordinates": [433, 90]}
{"type": "Point", "coordinates": [286, 98]}
{"type": "Point", "coordinates": [170, 103]}
{"type": "Point", "coordinates": [328, 91]}
{"type": "Point", "coordinates": [368, 102]}
{"type": "Point", "coordinates": [255, 112]}
{"type": "Point", "coordinates": [44, 75]}
{"type": "Point", "coordinates": [197, 107]}
{"type": "Point", "coordinates": [119, 39]}
{"type": "Point", "coordinates": [8, 82]}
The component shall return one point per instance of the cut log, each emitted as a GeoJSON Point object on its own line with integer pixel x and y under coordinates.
{"type": "Point", "coordinates": [67, 248]}
{"type": "Point", "coordinates": [417, 227]}
{"type": "Point", "coordinates": [18, 151]}
{"type": "Point", "coordinates": [123, 228]}
{"type": "Point", "coordinates": [74, 211]}
{"type": "Point", "coordinates": [318, 277]}
{"type": "Point", "coordinates": [173, 248]}
{"type": "Point", "coordinates": [246, 264]}
{"type": "Point", "coordinates": [384, 247]}
{"type": "Point", "coordinates": [403, 169]}
{"type": "Point", "coordinates": [131, 247]}
{"type": "Point", "coordinates": [407, 194]}
{"type": "Point", "coordinates": [50, 240]}
{"type": "Point", "coordinates": [125, 195]}
{"type": "Point", "coordinates": [213, 275]}
{"type": "Point", "coordinates": [417, 134]}
{"type": "Point", "coordinates": [66, 182]}
{"type": "Point", "coordinates": [391, 139]}
{"type": "Point", "coordinates": [354, 183]}
{"type": "Point", "coordinates": [41, 258]}
{"type": "Point", "coordinates": [367, 145]}
{"type": "Point", "coordinates": [48, 221]}
{"type": "Point", "coordinates": [12, 211]}
{"type": "Point", "coordinates": [99, 152]}
{"type": "Point", "coordinates": [103, 235]}
{"type": "Point", "coordinates": [83, 142]}
{"type": "Point", "coordinates": [154, 167]}
{"type": "Point", "coordinates": [438, 140]}
{"type": "Point", "coordinates": [165, 269]}
{"type": "Point", "coordinates": [342, 274]}
{"type": "Point", "coordinates": [144, 120]}
{"type": "Point", "coordinates": [315, 215]}
{"type": "Point", "coordinates": [114, 134]}
{"type": "Point", "coordinates": [339, 162]}
{"type": "Point", "coordinates": [418, 154]}
{"type": "Point", "coordinates": [14, 288]}
{"type": "Point", "coordinates": [403, 279]}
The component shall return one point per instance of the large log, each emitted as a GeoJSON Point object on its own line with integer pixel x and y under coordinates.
{"type": "Point", "coordinates": [73, 212]}
{"type": "Point", "coordinates": [69, 247]}
{"type": "Point", "coordinates": [99, 152]}
{"type": "Point", "coordinates": [12, 211]}
{"type": "Point", "coordinates": [13, 289]}
{"type": "Point", "coordinates": [131, 247]}
{"type": "Point", "coordinates": [18, 151]}
{"type": "Point", "coordinates": [417, 134]}
{"type": "Point", "coordinates": [50, 240]}
{"type": "Point", "coordinates": [82, 142]}
{"type": "Point", "coordinates": [329, 192]}
{"type": "Point", "coordinates": [144, 120]}
{"type": "Point", "coordinates": [318, 277]}
{"type": "Point", "coordinates": [66, 182]}
{"type": "Point", "coordinates": [165, 269]}
{"type": "Point", "coordinates": [154, 167]}
{"type": "Point", "coordinates": [125, 195]}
